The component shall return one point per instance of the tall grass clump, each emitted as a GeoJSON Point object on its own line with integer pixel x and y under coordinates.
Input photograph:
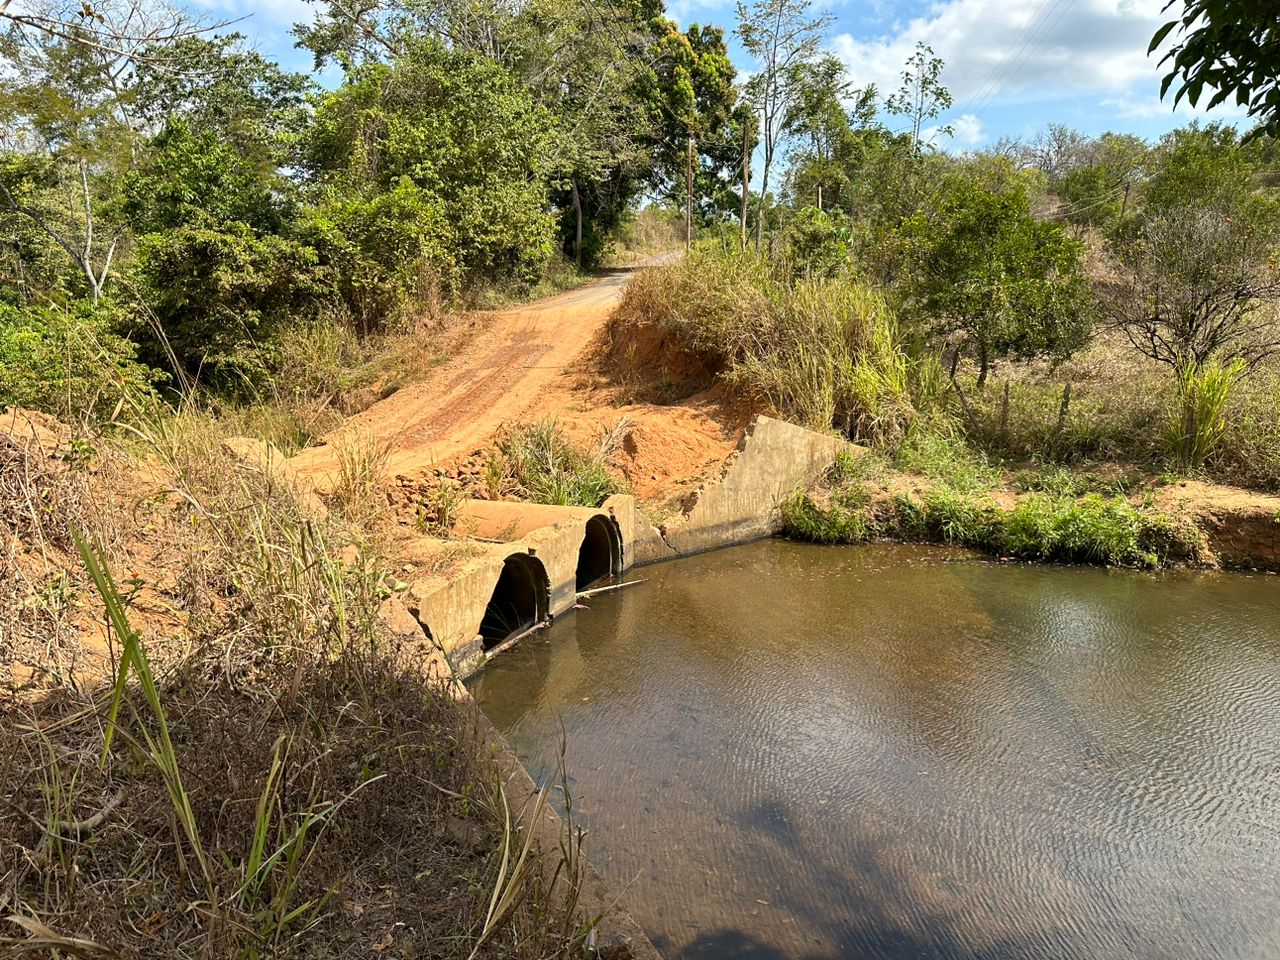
{"type": "Point", "coordinates": [1248, 454]}
{"type": "Point", "coordinates": [1198, 423]}
{"type": "Point", "coordinates": [547, 468]}
{"type": "Point", "coordinates": [822, 351]}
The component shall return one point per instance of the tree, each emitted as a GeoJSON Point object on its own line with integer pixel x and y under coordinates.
{"type": "Point", "coordinates": [218, 276]}
{"type": "Point", "coordinates": [690, 95]}
{"type": "Point", "coordinates": [1231, 47]}
{"type": "Point", "coordinates": [1200, 283]}
{"type": "Point", "coordinates": [228, 90]}
{"type": "Point", "coordinates": [781, 36]}
{"type": "Point", "coordinates": [987, 273]}
{"type": "Point", "coordinates": [922, 97]}
{"type": "Point", "coordinates": [1100, 193]}
{"type": "Point", "coordinates": [449, 131]}
{"type": "Point", "coordinates": [819, 119]}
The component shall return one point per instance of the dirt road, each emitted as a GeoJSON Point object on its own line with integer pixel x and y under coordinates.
{"type": "Point", "coordinates": [517, 369]}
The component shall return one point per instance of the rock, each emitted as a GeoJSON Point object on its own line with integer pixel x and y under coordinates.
{"type": "Point", "coordinates": [614, 945]}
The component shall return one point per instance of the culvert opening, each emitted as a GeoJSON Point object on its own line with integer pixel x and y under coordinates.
{"type": "Point", "coordinates": [519, 600]}
{"type": "Point", "coordinates": [600, 555]}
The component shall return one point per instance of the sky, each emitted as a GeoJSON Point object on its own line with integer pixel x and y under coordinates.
{"type": "Point", "coordinates": [1012, 66]}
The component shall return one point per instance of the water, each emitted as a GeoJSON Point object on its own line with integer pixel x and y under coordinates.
{"type": "Point", "coordinates": [790, 751]}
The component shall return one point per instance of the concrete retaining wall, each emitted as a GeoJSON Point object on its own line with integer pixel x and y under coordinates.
{"type": "Point", "coordinates": [773, 460]}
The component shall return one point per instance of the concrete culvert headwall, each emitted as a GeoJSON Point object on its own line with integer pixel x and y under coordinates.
{"type": "Point", "coordinates": [600, 555]}
{"type": "Point", "coordinates": [520, 599]}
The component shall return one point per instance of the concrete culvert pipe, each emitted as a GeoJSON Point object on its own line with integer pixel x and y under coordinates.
{"type": "Point", "coordinates": [519, 600]}
{"type": "Point", "coordinates": [600, 555]}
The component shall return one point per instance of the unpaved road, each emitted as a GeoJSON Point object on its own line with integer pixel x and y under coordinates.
{"type": "Point", "coordinates": [504, 375]}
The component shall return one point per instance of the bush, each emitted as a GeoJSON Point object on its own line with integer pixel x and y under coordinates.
{"type": "Point", "coordinates": [383, 254]}
{"type": "Point", "coordinates": [461, 142]}
{"type": "Point", "coordinates": [1051, 527]}
{"type": "Point", "coordinates": [68, 361]}
{"type": "Point", "coordinates": [549, 469]}
{"type": "Point", "coordinates": [824, 352]}
{"type": "Point", "coordinates": [220, 295]}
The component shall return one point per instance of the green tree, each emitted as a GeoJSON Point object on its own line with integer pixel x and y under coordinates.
{"type": "Point", "coordinates": [997, 282]}
{"type": "Point", "coordinates": [458, 128]}
{"type": "Point", "coordinates": [689, 92]}
{"type": "Point", "coordinates": [1231, 47]}
{"type": "Point", "coordinates": [218, 277]}
{"type": "Point", "coordinates": [922, 97]}
{"type": "Point", "coordinates": [782, 37]}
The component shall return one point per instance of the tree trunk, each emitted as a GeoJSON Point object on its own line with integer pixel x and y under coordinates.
{"type": "Point", "coordinates": [577, 234]}
{"type": "Point", "coordinates": [984, 366]}
{"type": "Point", "coordinates": [819, 198]}
{"type": "Point", "coordinates": [688, 195]}
{"type": "Point", "coordinates": [746, 182]}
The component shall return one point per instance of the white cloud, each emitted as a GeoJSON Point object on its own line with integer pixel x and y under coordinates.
{"type": "Point", "coordinates": [966, 131]}
{"type": "Point", "coordinates": [1139, 107]}
{"type": "Point", "coordinates": [1021, 50]}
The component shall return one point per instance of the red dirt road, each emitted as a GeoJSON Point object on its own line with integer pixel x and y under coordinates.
{"type": "Point", "coordinates": [528, 363]}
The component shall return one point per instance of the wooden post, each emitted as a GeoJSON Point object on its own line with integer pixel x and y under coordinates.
{"type": "Point", "coordinates": [1004, 414]}
{"type": "Point", "coordinates": [1062, 409]}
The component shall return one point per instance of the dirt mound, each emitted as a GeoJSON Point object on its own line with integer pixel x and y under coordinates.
{"type": "Point", "coordinates": [650, 364]}
{"type": "Point", "coordinates": [1242, 528]}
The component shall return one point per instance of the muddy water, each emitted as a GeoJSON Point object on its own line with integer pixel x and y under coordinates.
{"type": "Point", "coordinates": [788, 751]}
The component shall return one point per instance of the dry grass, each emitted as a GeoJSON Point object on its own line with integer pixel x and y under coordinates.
{"type": "Point", "coordinates": [283, 780]}
{"type": "Point", "coordinates": [822, 352]}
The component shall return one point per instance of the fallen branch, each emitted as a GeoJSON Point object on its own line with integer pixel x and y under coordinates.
{"type": "Point", "coordinates": [584, 594]}
{"type": "Point", "coordinates": [75, 829]}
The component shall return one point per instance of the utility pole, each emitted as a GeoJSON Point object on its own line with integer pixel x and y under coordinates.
{"type": "Point", "coordinates": [746, 179]}
{"type": "Point", "coordinates": [688, 195]}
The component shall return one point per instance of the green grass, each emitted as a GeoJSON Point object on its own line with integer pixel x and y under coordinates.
{"type": "Point", "coordinates": [1066, 520]}
{"type": "Point", "coordinates": [547, 468]}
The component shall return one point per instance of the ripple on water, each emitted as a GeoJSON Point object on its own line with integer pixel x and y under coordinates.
{"type": "Point", "coordinates": [792, 751]}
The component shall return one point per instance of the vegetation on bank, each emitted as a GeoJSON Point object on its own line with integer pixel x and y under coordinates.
{"type": "Point", "coordinates": [858, 501]}
{"type": "Point", "coordinates": [150, 819]}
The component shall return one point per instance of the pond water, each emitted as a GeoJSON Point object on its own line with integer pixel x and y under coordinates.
{"type": "Point", "coordinates": [790, 751]}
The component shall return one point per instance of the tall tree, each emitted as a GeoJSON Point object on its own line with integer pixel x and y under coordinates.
{"type": "Point", "coordinates": [782, 36]}
{"type": "Point", "coordinates": [922, 97]}
{"type": "Point", "coordinates": [993, 277]}
{"type": "Point", "coordinates": [690, 94]}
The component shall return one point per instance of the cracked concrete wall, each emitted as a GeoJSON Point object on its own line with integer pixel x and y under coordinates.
{"type": "Point", "coordinates": [773, 460]}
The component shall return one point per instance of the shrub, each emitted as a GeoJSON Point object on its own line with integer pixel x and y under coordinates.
{"type": "Point", "coordinates": [549, 469]}
{"type": "Point", "coordinates": [219, 295]}
{"type": "Point", "coordinates": [68, 361]}
{"type": "Point", "coordinates": [824, 352]}
{"type": "Point", "coordinates": [1092, 529]}
{"type": "Point", "coordinates": [1041, 526]}
{"type": "Point", "coordinates": [462, 141]}
{"type": "Point", "coordinates": [382, 254]}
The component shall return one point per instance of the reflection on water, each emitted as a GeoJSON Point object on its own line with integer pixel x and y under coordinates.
{"type": "Point", "coordinates": [790, 751]}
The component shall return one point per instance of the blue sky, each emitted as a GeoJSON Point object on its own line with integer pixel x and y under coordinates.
{"type": "Point", "coordinates": [1013, 66]}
